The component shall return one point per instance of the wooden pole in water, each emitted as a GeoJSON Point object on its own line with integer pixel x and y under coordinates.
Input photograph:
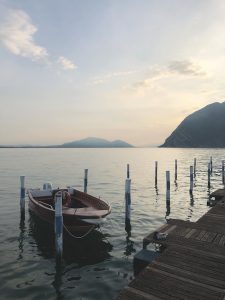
{"type": "Point", "coordinates": [167, 185]}
{"type": "Point", "coordinates": [128, 171]}
{"type": "Point", "coordinates": [85, 180]}
{"type": "Point", "coordinates": [191, 180]}
{"type": "Point", "coordinates": [156, 172]}
{"type": "Point", "coordinates": [195, 167]}
{"type": "Point", "coordinates": [58, 225]}
{"type": "Point", "coordinates": [175, 169]}
{"type": "Point", "coordinates": [211, 165]}
{"type": "Point", "coordinates": [223, 175]}
{"type": "Point", "coordinates": [209, 171]}
{"type": "Point", "coordinates": [22, 196]}
{"type": "Point", "coordinates": [127, 205]}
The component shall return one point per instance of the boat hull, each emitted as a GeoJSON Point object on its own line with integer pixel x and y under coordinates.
{"type": "Point", "coordinates": [72, 224]}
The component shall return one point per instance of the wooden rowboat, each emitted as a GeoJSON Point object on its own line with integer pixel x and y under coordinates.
{"type": "Point", "coordinates": [83, 213]}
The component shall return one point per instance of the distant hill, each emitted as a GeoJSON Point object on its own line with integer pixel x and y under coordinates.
{"type": "Point", "coordinates": [90, 142]}
{"type": "Point", "coordinates": [93, 142]}
{"type": "Point", "coordinates": [204, 128]}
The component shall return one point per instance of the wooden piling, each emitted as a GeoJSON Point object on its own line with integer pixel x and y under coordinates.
{"type": "Point", "coordinates": [128, 171]}
{"type": "Point", "coordinates": [191, 180]}
{"type": "Point", "coordinates": [127, 205]}
{"type": "Point", "coordinates": [167, 185]}
{"type": "Point", "coordinates": [209, 173]}
{"type": "Point", "coordinates": [22, 196]}
{"type": "Point", "coordinates": [175, 169]}
{"type": "Point", "coordinates": [85, 180]}
{"type": "Point", "coordinates": [223, 175]}
{"type": "Point", "coordinates": [211, 165]}
{"type": "Point", "coordinates": [156, 173]}
{"type": "Point", "coordinates": [58, 225]}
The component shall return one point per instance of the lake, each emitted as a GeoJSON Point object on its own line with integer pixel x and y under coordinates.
{"type": "Point", "coordinates": [101, 265]}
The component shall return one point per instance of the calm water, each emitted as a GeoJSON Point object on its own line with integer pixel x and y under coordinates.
{"type": "Point", "coordinates": [100, 266]}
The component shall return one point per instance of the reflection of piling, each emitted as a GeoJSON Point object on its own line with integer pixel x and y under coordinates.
{"type": "Point", "coordinates": [128, 171]}
{"type": "Point", "coordinates": [58, 224]}
{"type": "Point", "coordinates": [191, 179]}
{"type": "Point", "coordinates": [85, 180]}
{"type": "Point", "coordinates": [223, 175]}
{"type": "Point", "coordinates": [156, 173]}
{"type": "Point", "coordinates": [211, 165]}
{"type": "Point", "coordinates": [167, 208]}
{"type": "Point", "coordinates": [194, 167]}
{"type": "Point", "coordinates": [127, 205]}
{"type": "Point", "coordinates": [209, 173]}
{"type": "Point", "coordinates": [22, 196]}
{"type": "Point", "coordinates": [167, 185]}
{"type": "Point", "coordinates": [175, 169]}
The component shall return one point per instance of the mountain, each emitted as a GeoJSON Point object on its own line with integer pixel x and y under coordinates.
{"type": "Point", "coordinates": [204, 128]}
{"type": "Point", "coordinates": [93, 142]}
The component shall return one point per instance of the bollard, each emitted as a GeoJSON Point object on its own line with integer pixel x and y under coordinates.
{"type": "Point", "coordinates": [209, 172]}
{"type": "Point", "coordinates": [22, 196]}
{"type": "Point", "coordinates": [223, 175]}
{"type": "Point", "coordinates": [175, 169]}
{"type": "Point", "coordinates": [156, 172]}
{"type": "Point", "coordinates": [128, 171]}
{"type": "Point", "coordinates": [167, 185]}
{"type": "Point", "coordinates": [194, 167]}
{"type": "Point", "coordinates": [85, 180]}
{"type": "Point", "coordinates": [127, 205]}
{"type": "Point", "coordinates": [191, 179]}
{"type": "Point", "coordinates": [211, 165]}
{"type": "Point", "coordinates": [58, 225]}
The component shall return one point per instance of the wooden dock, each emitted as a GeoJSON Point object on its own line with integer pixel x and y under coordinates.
{"type": "Point", "coordinates": [192, 266]}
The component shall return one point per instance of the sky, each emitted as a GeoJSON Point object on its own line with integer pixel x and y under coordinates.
{"type": "Point", "coordinates": [129, 70]}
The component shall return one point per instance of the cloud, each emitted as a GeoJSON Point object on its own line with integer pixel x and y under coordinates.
{"type": "Point", "coordinates": [66, 63]}
{"type": "Point", "coordinates": [186, 67]}
{"type": "Point", "coordinates": [16, 34]}
{"type": "Point", "coordinates": [183, 68]}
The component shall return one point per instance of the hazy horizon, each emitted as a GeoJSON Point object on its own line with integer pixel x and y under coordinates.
{"type": "Point", "coordinates": [129, 70]}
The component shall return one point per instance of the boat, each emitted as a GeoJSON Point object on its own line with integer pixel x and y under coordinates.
{"type": "Point", "coordinates": [81, 212]}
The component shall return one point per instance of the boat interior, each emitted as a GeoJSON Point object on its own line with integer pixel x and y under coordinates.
{"type": "Point", "coordinates": [78, 199]}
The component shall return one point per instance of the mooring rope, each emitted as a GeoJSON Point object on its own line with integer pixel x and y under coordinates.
{"type": "Point", "coordinates": [79, 237]}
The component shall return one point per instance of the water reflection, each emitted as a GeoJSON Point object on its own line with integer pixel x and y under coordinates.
{"type": "Point", "coordinates": [156, 190]}
{"type": "Point", "coordinates": [91, 250]}
{"type": "Point", "coordinates": [129, 249]}
{"type": "Point", "coordinates": [57, 283]}
{"type": "Point", "coordinates": [190, 209]}
{"type": "Point", "coordinates": [21, 237]}
{"type": "Point", "coordinates": [176, 185]}
{"type": "Point", "coordinates": [167, 209]}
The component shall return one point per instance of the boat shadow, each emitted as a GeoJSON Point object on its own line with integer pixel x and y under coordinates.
{"type": "Point", "coordinates": [91, 249]}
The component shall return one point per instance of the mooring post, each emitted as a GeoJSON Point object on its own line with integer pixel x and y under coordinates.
{"type": "Point", "coordinates": [223, 175]}
{"type": "Point", "coordinates": [211, 165]}
{"type": "Point", "coordinates": [58, 225]}
{"type": "Point", "coordinates": [85, 180]}
{"type": "Point", "coordinates": [191, 180]}
{"type": "Point", "coordinates": [209, 173]}
{"type": "Point", "coordinates": [156, 173]}
{"type": "Point", "coordinates": [22, 196]}
{"type": "Point", "coordinates": [167, 185]}
{"type": "Point", "coordinates": [175, 169]}
{"type": "Point", "coordinates": [194, 167]}
{"type": "Point", "coordinates": [127, 205]}
{"type": "Point", "coordinates": [128, 171]}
